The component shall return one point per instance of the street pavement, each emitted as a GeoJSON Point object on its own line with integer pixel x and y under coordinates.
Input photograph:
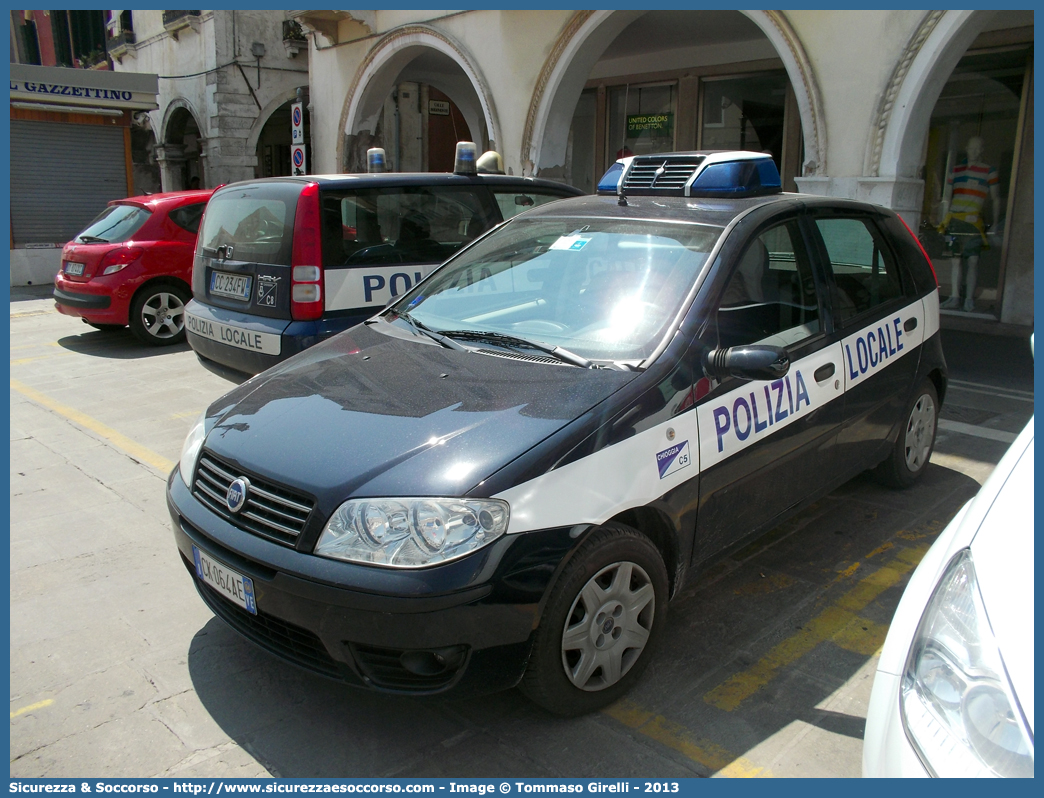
{"type": "Point", "coordinates": [119, 669]}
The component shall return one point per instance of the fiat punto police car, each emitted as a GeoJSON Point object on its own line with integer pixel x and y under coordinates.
{"type": "Point", "coordinates": [504, 476]}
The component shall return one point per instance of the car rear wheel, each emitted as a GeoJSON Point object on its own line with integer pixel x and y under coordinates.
{"type": "Point", "coordinates": [913, 448]}
{"type": "Point", "coordinates": [600, 623]}
{"type": "Point", "coordinates": [157, 314]}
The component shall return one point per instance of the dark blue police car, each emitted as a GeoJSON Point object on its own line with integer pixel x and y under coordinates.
{"type": "Point", "coordinates": [503, 477]}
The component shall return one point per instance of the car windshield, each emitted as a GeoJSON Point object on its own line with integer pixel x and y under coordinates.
{"type": "Point", "coordinates": [117, 223]}
{"type": "Point", "coordinates": [603, 289]}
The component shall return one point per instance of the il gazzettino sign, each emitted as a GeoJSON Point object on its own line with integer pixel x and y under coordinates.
{"type": "Point", "coordinates": [83, 87]}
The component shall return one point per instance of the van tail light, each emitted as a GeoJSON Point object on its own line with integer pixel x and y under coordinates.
{"type": "Point", "coordinates": [920, 246]}
{"type": "Point", "coordinates": [116, 259]}
{"type": "Point", "coordinates": [306, 259]}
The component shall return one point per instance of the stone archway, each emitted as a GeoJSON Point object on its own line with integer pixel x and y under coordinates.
{"type": "Point", "coordinates": [389, 62]}
{"type": "Point", "coordinates": [905, 110]}
{"type": "Point", "coordinates": [585, 38]}
{"type": "Point", "coordinates": [274, 144]}
{"type": "Point", "coordinates": [182, 150]}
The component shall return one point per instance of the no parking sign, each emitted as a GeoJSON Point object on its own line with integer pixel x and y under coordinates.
{"type": "Point", "coordinates": [297, 160]}
{"type": "Point", "coordinates": [296, 123]}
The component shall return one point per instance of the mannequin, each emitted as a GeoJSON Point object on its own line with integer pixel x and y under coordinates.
{"type": "Point", "coordinates": [967, 187]}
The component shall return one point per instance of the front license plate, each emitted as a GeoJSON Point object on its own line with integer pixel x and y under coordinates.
{"type": "Point", "coordinates": [234, 286]}
{"type": "Point", "coordinates": [235, 587]}
{"type": "Point", "coordinates": [73, 268]}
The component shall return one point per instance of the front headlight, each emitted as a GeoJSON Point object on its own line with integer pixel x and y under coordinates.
{"type": "Point", "coordinates": [958, 706]}
{"type": "Point", "coordinates": [190, 450]}
{"type": "Point", "coordinates": [411, 532]}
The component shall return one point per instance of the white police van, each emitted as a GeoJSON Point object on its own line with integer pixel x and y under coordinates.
{"type": "Point", "coordinates": [282, 263]}
{"type": "Point", "coordinates": [504, 476]}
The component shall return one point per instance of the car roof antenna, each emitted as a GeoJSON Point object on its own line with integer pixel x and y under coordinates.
{"type": "Point", "coordinates": [623, 197]}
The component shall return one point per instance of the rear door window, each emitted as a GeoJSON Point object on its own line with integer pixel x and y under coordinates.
{"type": "Point", "coordinates": [864, 269]}
{"type": "Point", "coordinates": [115, 224]}
{"type": "Point", "coordinates": [514, 201]}
{"type": "Point", "coordinates": [362, 227]}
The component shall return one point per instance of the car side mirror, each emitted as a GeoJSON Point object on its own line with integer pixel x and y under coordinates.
{"type": "Point", "coordinates": [753, 362]}
{"type": "Point", "coordinates": [523, 200]}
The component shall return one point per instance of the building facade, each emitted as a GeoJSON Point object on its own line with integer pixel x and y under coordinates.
{"type": "Point", "coordinates": [876, 105]}
{"type": "Point", "coordinates": [227, 79]}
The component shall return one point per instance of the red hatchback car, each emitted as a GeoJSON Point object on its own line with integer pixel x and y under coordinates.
{"type": "Point", "coordinates": [133, 265]}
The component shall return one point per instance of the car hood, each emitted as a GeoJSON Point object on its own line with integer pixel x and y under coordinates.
{"type": "Point", "coordinates": [1002, 552]}
{"type": "Point", "coordinates": [372, 414]}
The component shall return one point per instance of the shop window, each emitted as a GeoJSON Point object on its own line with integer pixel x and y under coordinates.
{"type": "Point", "coordinates": [641, 119]}
{"type": "Point", "coordinates": [969, 177]}
{"type": "Point", "coordinates": [745, 113]}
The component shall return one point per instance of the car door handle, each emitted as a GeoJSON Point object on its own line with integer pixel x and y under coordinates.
{"type": "Point", "coordinates": [824, 372]}
{"type": "Point", "coordinates": [910, 324]}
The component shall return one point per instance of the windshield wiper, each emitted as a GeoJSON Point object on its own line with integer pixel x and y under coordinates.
{"type": "Point", "coordinates": [561, 353]}
{"type": "Point", "coordinates": [425, 331]}
{"type": "Point", "coordinates": [92, 240]}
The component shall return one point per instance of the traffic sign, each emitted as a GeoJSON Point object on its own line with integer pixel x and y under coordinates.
{"type": "Point", "coordinates": [298, 163]}
{"type": "Point", "coordinates": [296, 123]}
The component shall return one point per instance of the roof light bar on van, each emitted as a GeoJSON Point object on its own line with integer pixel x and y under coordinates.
{"type": "Point", "coordinates": [464, 162]}
{"type": "Point", "coordinates": [306, 259]}
{"type": "Point", "coordinates": [375, 159]}
{"type": "Point", "coordinates": [727, 173]}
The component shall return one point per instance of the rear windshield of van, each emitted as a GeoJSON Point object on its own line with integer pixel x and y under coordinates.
{"type": "Point", "coordinates": [257, 222]}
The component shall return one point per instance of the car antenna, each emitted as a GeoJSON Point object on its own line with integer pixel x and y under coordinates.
{"type": "Point", "coordinates": [623, 197]}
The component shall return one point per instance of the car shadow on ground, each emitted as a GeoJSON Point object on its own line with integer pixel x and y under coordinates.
{"type": "Point", "coordinates": [767, 638]}
{"type": "Point", "coordinates": [119, 344]}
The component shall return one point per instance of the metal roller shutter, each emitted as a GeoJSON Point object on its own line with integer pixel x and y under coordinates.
{"type": "Point", "coordinates": [61, 177]}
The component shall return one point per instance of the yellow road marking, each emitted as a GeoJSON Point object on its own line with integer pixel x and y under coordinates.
{"type": "Point", "coordinates": [880, 550]}
{"type": "Point", "coordinates": [23, 360]}
{"type": "Point", "coordinates": [25, 313]}
{"type": "Point", "coordinates": [838, 622]}
{"type": "Point", "coordinates": [31, 707]}
{"type": "Point", "coordinates": [117, 439]}
{"type": "Point", "coordinates": [680, 739]}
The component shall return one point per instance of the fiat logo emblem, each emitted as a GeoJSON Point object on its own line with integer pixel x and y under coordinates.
{"type": "Point", "coordinates": [236, 496]}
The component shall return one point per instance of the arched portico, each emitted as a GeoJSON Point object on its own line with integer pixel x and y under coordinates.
{"type": "Point", "coordinates": [446, 65]}
{"type": "Point", "coordinates": [584, 40]}
{"type": "Point", "coordinates": [922, 71]}
{"type": "Point", "coordinates": [181, 151]}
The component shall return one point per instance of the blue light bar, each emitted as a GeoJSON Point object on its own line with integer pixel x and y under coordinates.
{"type": "Point", "coordinates": [737, 178]}
{"type": "Point", "coordinates": [611, 179]}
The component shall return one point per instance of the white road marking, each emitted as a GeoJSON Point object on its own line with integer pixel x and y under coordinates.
{"type": "Point", "coordinates": [977, 431]}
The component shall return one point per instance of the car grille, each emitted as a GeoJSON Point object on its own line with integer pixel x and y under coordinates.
{"type": "Point", "coordinates": [660, 173]}
{"type": "Point", "coordinates": [270, 511]}
{"type": "Point", "coordinates": [384, 668]}
{"type": "Point", "coordinates": [281, 638]}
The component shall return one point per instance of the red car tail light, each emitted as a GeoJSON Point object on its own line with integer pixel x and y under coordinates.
{"type": "Point", "coordinates": [306, 259]}
{"type": "Point", "coordinates": [921, 247]}
{"type": "Point", "coordinates": [116, 259]}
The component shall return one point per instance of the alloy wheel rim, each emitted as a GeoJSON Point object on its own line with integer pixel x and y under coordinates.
{"type": "Point", "coordinates": [920, 431]}
{"type": "Point", "coordinates": [163, 315]}
{"type": "Point", "coordinates": [608, 626]}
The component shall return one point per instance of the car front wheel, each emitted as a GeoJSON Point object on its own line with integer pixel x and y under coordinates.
{"type": "Point", "coordinates": [600, 623]}
{"type": "Point", "coordinates": [157, 314]}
